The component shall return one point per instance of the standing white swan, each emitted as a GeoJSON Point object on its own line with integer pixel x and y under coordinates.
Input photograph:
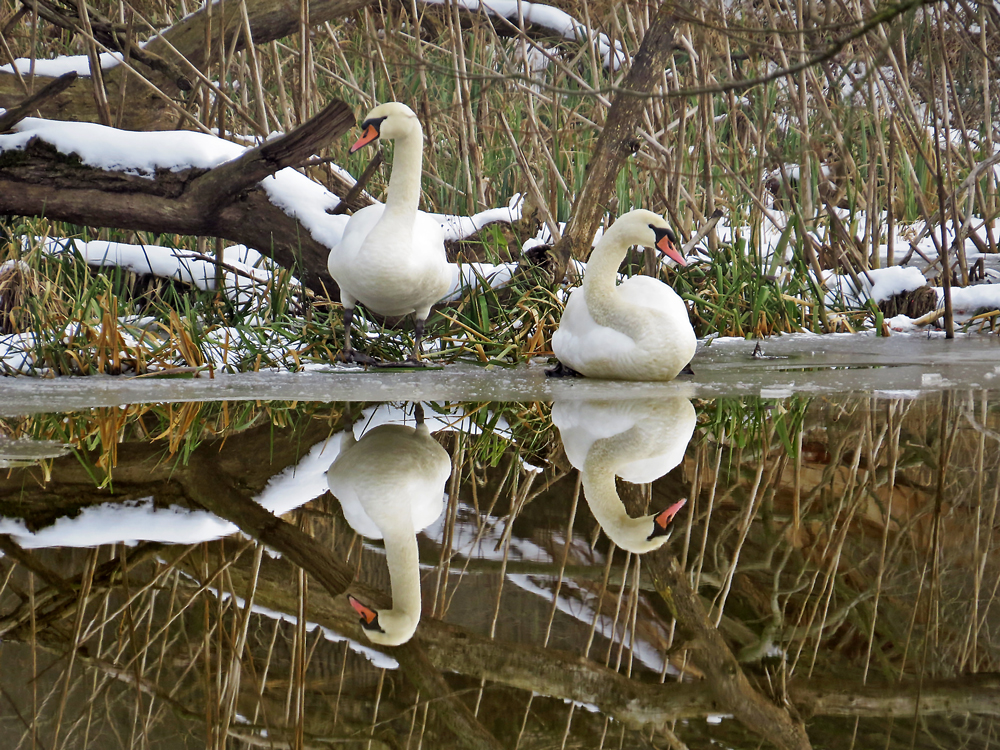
{"type": "Point", "coordinates": [391, 258]}
{"type": "Point", "coordinates": [390, 484]}
{"type": "Point", "coordinates": [639, 440]}
{"type": "Point", "coordinates": [637, 330]}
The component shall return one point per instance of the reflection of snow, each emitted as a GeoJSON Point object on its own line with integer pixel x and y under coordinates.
{"type": "Point", "coordinates": [122, 522]}
{"type": "Point", "coordinates": [140, 520]}
{"type": "Point", "coordinates": [57, 66]}
{"type": "Point", "coordinates": [482, 537]}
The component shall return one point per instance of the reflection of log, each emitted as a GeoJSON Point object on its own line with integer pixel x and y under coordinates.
{"type": "Point", "coordinates": [222, 202]}
{"type": "Point", "coordinates": [217, 492]}
{"type": "Point", "coordinates": [733, 692]}
{"type": "Point", "coordinates": [968, 694]}
{"type": "Point", "coordinates": [454, 649]}
{"type": "Point", "coordinates": [567, 676]}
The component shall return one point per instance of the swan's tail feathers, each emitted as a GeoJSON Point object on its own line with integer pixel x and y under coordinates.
{"type": "Point", "coordinates": [369, 616]}
{"type": "Point", "coordinates": [661, 522]}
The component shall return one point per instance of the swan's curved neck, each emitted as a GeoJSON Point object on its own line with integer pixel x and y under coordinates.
{"type": "Point", "coordinates": [601, 492]}
{"type": "Point", "coordinates": [404, 574]}
{"type": "Point", "coordinates": [602, 496]}
{"type": "Point", "coordinates": [605, 306]}
{"type": "Point", "coordinates": [403, 197]}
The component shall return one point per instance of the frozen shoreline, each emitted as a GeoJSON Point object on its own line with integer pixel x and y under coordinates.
{"type": "Point", "coordinates": [902, 365]}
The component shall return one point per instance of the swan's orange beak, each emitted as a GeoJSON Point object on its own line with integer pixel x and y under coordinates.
{"type": "Point", "coordinates": [370, 134]}
{"type": "Point", "coordinates": [368, 614]}
{"type": "Point", "coordinates": [669, 249]}
{"type": "Point", "coordinates": [663, 519]}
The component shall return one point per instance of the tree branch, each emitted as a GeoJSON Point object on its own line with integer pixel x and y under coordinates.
{"type": "Point", "coordinates": [15, 114]}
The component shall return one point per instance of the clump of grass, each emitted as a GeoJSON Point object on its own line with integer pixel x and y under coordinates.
{"type": "Point", "coordinates": [738, 293]}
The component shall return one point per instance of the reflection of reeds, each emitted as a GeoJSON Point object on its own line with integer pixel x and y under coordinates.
{"type": "Point", "coordinates": [842, 543]}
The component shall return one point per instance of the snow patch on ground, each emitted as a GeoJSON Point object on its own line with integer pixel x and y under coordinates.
{"type": "Point", "coordinates": [57, 66]}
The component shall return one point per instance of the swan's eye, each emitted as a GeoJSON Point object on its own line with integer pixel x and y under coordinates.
{"type": "Point", "coordinates": [375, 122]}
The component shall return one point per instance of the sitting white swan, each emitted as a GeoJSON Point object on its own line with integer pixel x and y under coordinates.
{"type": "Point", "coordinates": [637, 330]}
{"type": "Point", "coordinates": [390, 484]}
{"type": "Point", "coordinates": [639, 440]}
{"type": "Point", "coordinates": [391, 258]}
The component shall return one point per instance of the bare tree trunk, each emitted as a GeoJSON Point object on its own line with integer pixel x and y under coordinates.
{"type": "Point", "coordinates": [617, 141]}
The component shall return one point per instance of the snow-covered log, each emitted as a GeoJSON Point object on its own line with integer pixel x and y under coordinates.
{"type": "Point", "coordinates": [178, 182]}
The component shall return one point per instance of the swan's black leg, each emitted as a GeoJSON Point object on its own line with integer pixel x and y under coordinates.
{"type": "Point", "coordinates": [349, 355]}
{"type": "Point", "coordinates": [414, 359]}
{"type": "Point", "coordinates": [562, 371]}
{"type": "Point", "coordinates": [687, 369]}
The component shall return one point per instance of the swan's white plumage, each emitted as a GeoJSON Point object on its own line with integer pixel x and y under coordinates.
{"type": "Point", "coordinates": [390, 485]}
{"type": "Point", "coordinates": [389, 269]}
{"type": "Point", "coordinates": [638, 440]}
{"type": "Point", "coordinates": [637, 330]}
{"type": "Point", "coordinates": [391, 257]}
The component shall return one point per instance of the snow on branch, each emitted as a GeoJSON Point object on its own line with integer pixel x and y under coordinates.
{"type": "Point", "coordinates": [613, 54]}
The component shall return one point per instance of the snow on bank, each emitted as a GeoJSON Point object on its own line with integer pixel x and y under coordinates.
{"type": "Point", "coordinates": [877, 285]}
{"type": "Point", "coordinates": [246, 268]}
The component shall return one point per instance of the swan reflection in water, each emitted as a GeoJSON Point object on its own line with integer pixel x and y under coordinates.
{"type": "Point", "coordinates": [638, 440]}
{"type": "Point", "coordinates": [390, 484]}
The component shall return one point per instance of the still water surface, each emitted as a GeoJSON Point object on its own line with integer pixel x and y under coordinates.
{"type": "Point", "coordinates": [829, 582]}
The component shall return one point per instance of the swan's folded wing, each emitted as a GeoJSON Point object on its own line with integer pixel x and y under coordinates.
{"type": "Point", "coordinates": [649, 292]}
{"type": "Point", "coordinates": [580, 339]}
{"type": "Point", "coordinates": [360, 224]}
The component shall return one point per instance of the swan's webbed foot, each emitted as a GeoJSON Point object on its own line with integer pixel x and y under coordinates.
{"type": "Point", "coordinates": [357, 358]}
{"type": "Point", "coordinates": [562, 371]}
{"type": "Point", "coordinates": [686, 370]}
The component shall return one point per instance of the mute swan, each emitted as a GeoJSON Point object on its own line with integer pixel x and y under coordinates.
{"type": "Point", "coordinates": [391, 258]}
{"type": "Point", "coordinates": [390, 484]}
{"type": "Point", "coordinates": [639, 440]}
{"type": "Point", "coordinates": [637, 330]}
